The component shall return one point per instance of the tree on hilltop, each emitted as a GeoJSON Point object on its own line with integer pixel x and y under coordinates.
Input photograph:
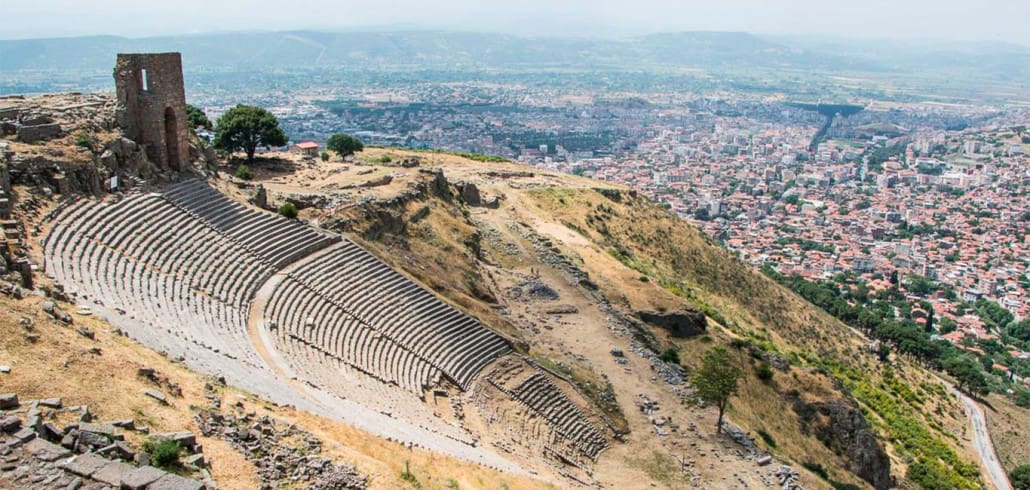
{"type": "Point", "coordinates": [716, 381]}
{"type": "Point", "coordinates": [245, 128]}
{"type": "Point", "coordinates": [344, 144]}
{"type": "Point", "coordinates": [196, 118]}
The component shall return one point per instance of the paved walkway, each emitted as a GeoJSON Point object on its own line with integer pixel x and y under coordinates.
{"type": "Point", "coordinates": [982, 441]}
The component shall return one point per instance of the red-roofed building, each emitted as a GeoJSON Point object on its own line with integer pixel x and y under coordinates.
{"type": "Point", "coordinates": [306, 148]}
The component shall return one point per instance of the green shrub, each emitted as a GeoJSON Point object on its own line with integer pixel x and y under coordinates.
{"type": "Point", "coordinates": [409, 477]}
{"type": "Point", "coordinates": [83, 140]}
{"type": "Point", "coordinates": [769, 441]}
{"type": "Point", "coordinates": [1020, 477]}
{"type": "Point", "coordinates": [817, 469]}
{"type": "Point", "coordinates": [764, 371]}
{"type": "Point", "coordinates": [163, 454]}
{"type": "Point", "coordinates": [670, 355]}
{"type": "Point", "coordinates": [288, 210]}
{"type": "Point", "coordinates": [244, 172]}
{"type": "Point", "coordinates": [844, 486]}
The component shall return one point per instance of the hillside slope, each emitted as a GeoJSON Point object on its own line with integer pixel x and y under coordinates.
{"type": "Point", "coordinates": [593, 258]}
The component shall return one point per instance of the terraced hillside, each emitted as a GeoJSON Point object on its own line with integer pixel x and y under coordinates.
{"type": "Point", "coordinates": [297, 315]}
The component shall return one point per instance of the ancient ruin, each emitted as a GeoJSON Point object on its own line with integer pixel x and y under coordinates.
{"type": "Point", "coordinates": [261, 299]}
{"type": "Point", "coordinates": [152, 105]}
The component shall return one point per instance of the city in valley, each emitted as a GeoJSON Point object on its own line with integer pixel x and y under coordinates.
{"type": "Point", "coordinates": [927, 197]}
{"type": "Point", "coordinates": [391, 257]}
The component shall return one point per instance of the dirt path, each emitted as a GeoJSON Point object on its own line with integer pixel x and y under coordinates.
{"type": "Point", "coordinates": [982, 441]}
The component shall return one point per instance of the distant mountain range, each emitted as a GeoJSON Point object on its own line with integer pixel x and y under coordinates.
{"type": "Point", "coordinates": [461, 50]}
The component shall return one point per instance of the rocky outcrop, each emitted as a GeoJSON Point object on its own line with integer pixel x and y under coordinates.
{"type": "Point", "coordinates": [842, 428]}
{"type": "Point", "coordinates": [469, 193]}
{"type": "Point", "coordinates": [684, 323]}
{"type": "Point", "coordinates": [117, 157]}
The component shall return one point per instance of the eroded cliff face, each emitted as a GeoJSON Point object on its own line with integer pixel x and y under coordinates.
{"type": "Point", "coordinates": [840, 425]}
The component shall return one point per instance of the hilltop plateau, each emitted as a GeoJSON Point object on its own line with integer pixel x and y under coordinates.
{"type": "Point", "coordinates": [577, 312]}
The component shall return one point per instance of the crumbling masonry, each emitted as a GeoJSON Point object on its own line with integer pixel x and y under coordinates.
{"type": "Point", "coordinates": [152, 105]}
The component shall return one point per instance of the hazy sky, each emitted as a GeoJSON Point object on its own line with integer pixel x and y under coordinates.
{"type": "Point", "coordinates": [987, 20]}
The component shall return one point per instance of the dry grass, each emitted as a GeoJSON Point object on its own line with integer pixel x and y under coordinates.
{"type": "Point", "coordinates": [1010, 431]}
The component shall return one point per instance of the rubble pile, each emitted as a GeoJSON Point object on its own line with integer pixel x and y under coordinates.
{"type": "Point", "coordinates": [52, 116]}
{"type": "Point", "coordinates": [283, 454]}
{"type": "Point", "coordinates": [35, 452]}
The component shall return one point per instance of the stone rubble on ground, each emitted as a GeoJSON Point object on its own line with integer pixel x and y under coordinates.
{"type": "Point", "coordinates": [36, 453]}
{"type": "Point", "coordinates": [283, 454]}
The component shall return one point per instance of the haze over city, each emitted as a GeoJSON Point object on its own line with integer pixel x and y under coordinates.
{"type": "Point", "coordinates": [988, 20]}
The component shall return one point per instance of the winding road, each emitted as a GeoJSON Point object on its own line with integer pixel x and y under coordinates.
{"type": "Point", "coordinates": [982, 441]}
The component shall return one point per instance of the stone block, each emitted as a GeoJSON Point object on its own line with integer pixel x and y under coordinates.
{"type": "Point", "coordinates": [10, 424]}
{"type": "Point", "coordinates": [85, 464]}
{"type": "Point", "coordinates": [139, 478]}
{"type": "Point", "coordinates": [120, 450]}
{"type": "Point", "coordinates": [127, 424]}
{"type": "Point", "coordinates": [32, 134]}
{"type": "Point", "coordinates": [46, 451]}
{"type": "Point", "coordinates": [103, 429]}
{"type": "Point", "coordinates": [24, 435]}
{"type": "Point", "coordinates": [157, 395]}
{"type": "Point", "coordinates": [49, 402]}
{"type": "Point", "coordinates": [9, 113]}
{"type": "Point", "coordinates": [8, 401]}
{"type": "Point", "coordinates": [112, 473]}
{"type": "Point", "coordinates": [195, 460]}
{"type": "Point", "coordinates": [185, 438]}
{"type": "Point", "coordinates": [175, 482]}
{"type": "Point", "coordinates": [50, 432]}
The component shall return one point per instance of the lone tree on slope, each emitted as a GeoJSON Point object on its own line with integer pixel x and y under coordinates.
{"type": "Point", "coordinates": [245, 128]}
{"type": "Point", "coordinates": [344, 144]}
{"type": "Point", "coordinates": [716, 381]}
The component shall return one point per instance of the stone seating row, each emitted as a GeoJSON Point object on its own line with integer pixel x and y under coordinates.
{"type": "Point", "coordinates": [378, 296]}
{"type": "Point", "coordinates": [278, 240]}
{"type": "Point", "coordinates": [160, 266]}
{"type": "Point", "coordinates": [540, 395]}
{"type": "Point", "coordinates": [298, 311]}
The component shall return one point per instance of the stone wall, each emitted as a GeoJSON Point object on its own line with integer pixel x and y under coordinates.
{"type": "Point", "coordinates": [39, 132]}
{"type": "Point", "coordinates": [152, 106]}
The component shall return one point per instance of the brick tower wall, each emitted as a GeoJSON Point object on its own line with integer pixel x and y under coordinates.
{"type": "Point", "coordinates": [152, 105]}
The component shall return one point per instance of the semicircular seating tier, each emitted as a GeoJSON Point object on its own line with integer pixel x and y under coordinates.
{"type": "Point", "coordinates": [351, 305]}
{"type": "Point", "coordinates": [191, 246]}
{"type": "Point", "coordinates": [189, 272]}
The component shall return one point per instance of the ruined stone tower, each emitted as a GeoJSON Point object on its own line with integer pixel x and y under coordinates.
{"type": "Point", "coordinates": [152, 105]}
